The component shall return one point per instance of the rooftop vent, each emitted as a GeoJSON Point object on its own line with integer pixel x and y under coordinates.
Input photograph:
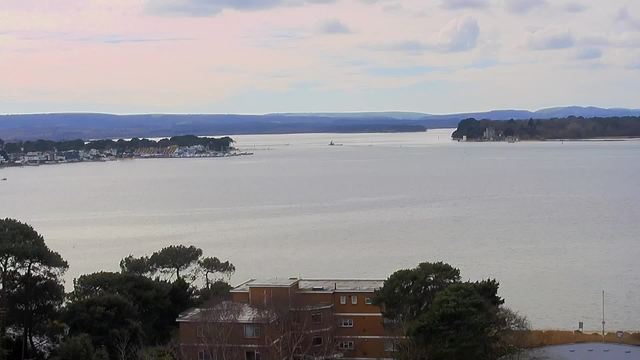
{"type": "Point", "coordinates": [317, 288]}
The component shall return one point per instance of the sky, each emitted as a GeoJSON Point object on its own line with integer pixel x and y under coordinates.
{"type": "Point", "coordinates": [262, 56]}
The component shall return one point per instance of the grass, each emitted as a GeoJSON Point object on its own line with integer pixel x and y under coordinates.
{"type": "Point", "coordinates": [539, 338]}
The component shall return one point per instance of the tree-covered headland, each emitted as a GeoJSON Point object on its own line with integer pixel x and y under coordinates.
{"type": "Point", "coordinates": [566, 128]}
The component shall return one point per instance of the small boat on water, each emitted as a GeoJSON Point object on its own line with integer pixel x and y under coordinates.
{"type": "Point", "coordinates": [333, 144]}
{"type": "Point", "coordinates": [3, 179]}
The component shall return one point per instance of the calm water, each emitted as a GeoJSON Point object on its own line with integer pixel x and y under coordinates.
{"type": "Point", "coordinates": [555, 223]}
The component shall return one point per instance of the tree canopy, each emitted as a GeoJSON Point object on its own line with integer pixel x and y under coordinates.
{"type": "Point", "coordinates": [212, 266]}
{"type": "Point", "coordinates": [31, 278]}
{"type": "Point", "coordinates": [139, 266]}
{"type": "Point", "coordinates": [108, 315]}
{"type": "Point", "coordinates": [174, 259]}
{"type": "Point", "coordinates": [462, 323]}
{"type": "Point", "coordinates": [444, 318]}
{"type": "Point", "coordinates": [408, 293]}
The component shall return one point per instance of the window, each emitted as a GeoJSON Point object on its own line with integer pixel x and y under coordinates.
{"type": "Point", "coordinates": [346, 345]}
{"type": "Point", "coordinates": [368, 301]}
{"type": "Point", "coordinates": [346, 323]}
{"type": "Point", "coordinates": [354, 299]}
{"type": "Point", "coordinates": [316, 318]}
{"type": "Point", "coordinates": [296, 318]}
{"type": "Point", "coordinates": [391, 346]}
{"type": "Point", "coordinates": [252, 355]}
{"type": "Point", "coordinates": [343, 299]}
{"type": "Point", "coordinates": [252, 331]}
{"type": "Point", "coordinates": [200, 331]}
{"type": "Point", "coordinates": [317, 341]}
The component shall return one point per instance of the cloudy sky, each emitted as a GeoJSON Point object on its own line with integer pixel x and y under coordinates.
{"type": "Point", "coordinates": [259, 56]}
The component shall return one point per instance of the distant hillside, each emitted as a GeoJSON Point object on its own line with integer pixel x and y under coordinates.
{"type": "Point", "coordinates": [587, 112]}
{"type": "Point", "coordinates": [558, 112]}
{"type": "Point", "coordinates": [100, 126]}
{"type": "Point", "coordinates": [103, 126]}
{"type": "Point", "coordinates": [398, 115]}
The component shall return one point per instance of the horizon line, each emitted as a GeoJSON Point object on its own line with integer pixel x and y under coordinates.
{"type": "Point", "coordinates": [312, 112]}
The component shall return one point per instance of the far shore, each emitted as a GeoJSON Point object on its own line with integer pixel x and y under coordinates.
{"type": "Point", "coordinates": [541, 338]}
{"type": "Point", "coordinates": [608, 139]}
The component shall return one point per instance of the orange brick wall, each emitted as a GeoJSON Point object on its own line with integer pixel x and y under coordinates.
{"type": "Point", "coordinates": [189, 334]}
{"type": "Point", "coordinates": [244, 297]}
{"type": "Point", "coordinates": [314, 298]}
{"type": "Point", "coordinates": [368, 325]}
{"type": "Point", "coordinates": [270, 296]}
{"type": "Point", "coordinates": [360, 307]}
{"type": "Point", "coordinates": [362, 326]}
{"type": "Point", "coordinates": [366, 348]}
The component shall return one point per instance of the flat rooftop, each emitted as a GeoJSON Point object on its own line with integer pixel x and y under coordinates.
{"type": "Point", "coordinates": [365, 285]}
{"type": "Point", "coordinates": [227, 311]}
{"type": "Point", "coordinates": [331, 285]}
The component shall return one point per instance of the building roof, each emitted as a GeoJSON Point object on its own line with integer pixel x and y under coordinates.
{"type": "Point", "coordinates": [227, 311]}
{"type": "Point", "coordinates": [337, 285]}
{"type": "Point", "coordinates": [317, 285]}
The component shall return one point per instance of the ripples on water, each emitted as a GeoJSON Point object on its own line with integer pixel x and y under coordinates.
{"type": "Point", "coordinates": [555, 223]}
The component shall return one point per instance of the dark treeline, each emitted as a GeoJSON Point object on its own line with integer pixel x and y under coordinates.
{"type": "Point", "coordinates": [215, 144]}
{"type": "Point", "coordinates": [125, 315]}
{"type": "Point", "coordinates": [567, 128]}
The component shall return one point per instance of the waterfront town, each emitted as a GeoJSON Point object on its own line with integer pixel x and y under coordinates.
{"type": "Point", "coordinates": [46, 152]}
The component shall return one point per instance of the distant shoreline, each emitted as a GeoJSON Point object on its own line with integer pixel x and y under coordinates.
{"type": "Point", "coordinates": [613, 138]}
{"type": "Point", "coordinates": [6, 166]}
{"type": "Point", "coordinates": [608, 139]}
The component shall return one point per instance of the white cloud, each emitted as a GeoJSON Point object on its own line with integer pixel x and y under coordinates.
{"type": "Point", "coordinates": [270, 44]}
{"type": "Point", "coordinates": [550, 40]}
{"type": "Point", "coordinates": [626, 40]}
{"type": "Point", "coordinates": [524, 6]}
{"type": "Point", "coordinates": [465, 4]}
{"type": "Point", "coordinates": [626, 20]}
{"type": "Point", "coordinates": [458, 35]}
{"type": "Point", "coordinates": [574, 7]}
{"type": "Point", "coordinates": [334, 26]}
{"type": "Point", "coordinates": [588, 54]}
{"type": "Point", "coordinates": [394, 8]}
{"type": "Point", "coordinates": [200, 8]}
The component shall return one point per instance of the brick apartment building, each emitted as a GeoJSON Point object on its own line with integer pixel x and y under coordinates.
{"type": "Point", "coordinates": [284, 318]}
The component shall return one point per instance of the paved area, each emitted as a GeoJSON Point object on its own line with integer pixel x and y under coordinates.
{"type": "Point", "coordinates": [588, 351]}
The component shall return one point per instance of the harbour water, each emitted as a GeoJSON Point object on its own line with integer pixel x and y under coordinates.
{"type": "Point", "coordinates": [556, 223]}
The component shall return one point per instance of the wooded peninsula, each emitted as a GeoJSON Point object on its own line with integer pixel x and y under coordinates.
{"type": "Point", "coordinates": [566, 128]}
{"type": "Point", "coordinates": [38, 152]}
